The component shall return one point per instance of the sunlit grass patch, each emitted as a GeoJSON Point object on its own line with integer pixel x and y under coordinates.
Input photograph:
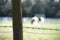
{"type": "Point", "coordinates": [48, 31]}
{"type": "Point", "coordinates": [30, 36]}
{"type": "Point", "coordinates": [6, 38]}
{"type": "Point", "coordinates": [6, 33]}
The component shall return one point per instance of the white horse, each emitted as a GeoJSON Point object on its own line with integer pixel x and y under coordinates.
{"type": "Point", "coordinates": [36, 20]}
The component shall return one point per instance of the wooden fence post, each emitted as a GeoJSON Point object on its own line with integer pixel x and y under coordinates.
{"type": "Point", "coordinates": [17, 20]}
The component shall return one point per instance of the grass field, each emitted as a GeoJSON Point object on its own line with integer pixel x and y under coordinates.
{"type": "Point", "coordinates": [6, 33]}
{"type": "Point", "coordinates": [47, 31]}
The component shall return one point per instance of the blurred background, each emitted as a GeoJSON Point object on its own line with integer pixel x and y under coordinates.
{"type": "Point", "coordinates": [6, 29]}
{"type": "Point", "coordinates": [5, 8]}
{"type": "Point", "coordinates": [30, 8]}
{"type": "Point", "coordinates": [48, 9]}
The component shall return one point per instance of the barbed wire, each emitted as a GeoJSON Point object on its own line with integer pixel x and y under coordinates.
{"type": "Point", "coordinates": [5, 26]}
{"type": "Point", "coordinates": [42, 28]}
{"type": "Point", "coordinates": [36, 28]}
{"type": "Point", "coordinates": [35, 32]}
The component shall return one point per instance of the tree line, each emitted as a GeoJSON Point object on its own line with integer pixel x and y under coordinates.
{"type": "Point", "coordinates": [51, 8]}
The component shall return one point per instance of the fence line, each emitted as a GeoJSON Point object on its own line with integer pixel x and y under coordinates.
{"type": "Point", "coordinates": [36, 28]}
{"type": "Point", "coordinates": [42, 28]}
{"type": "Point", "coordinates": [35, 32]}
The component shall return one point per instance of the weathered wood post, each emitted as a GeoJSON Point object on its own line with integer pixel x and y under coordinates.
{"type": "Point", "coordinates": [17, 20]}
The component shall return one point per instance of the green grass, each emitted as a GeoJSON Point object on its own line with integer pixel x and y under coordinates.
{"type": "Point", "coordinates": [32, 34]}
{"type": "Point", "coordinates": [5, 38]}
{"type": "Point", "coordinates": [28, 36]}
{"type": "Point", "coordinates": [6, 33]}
{"type": "Point", "coordinates": [41, 34]}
